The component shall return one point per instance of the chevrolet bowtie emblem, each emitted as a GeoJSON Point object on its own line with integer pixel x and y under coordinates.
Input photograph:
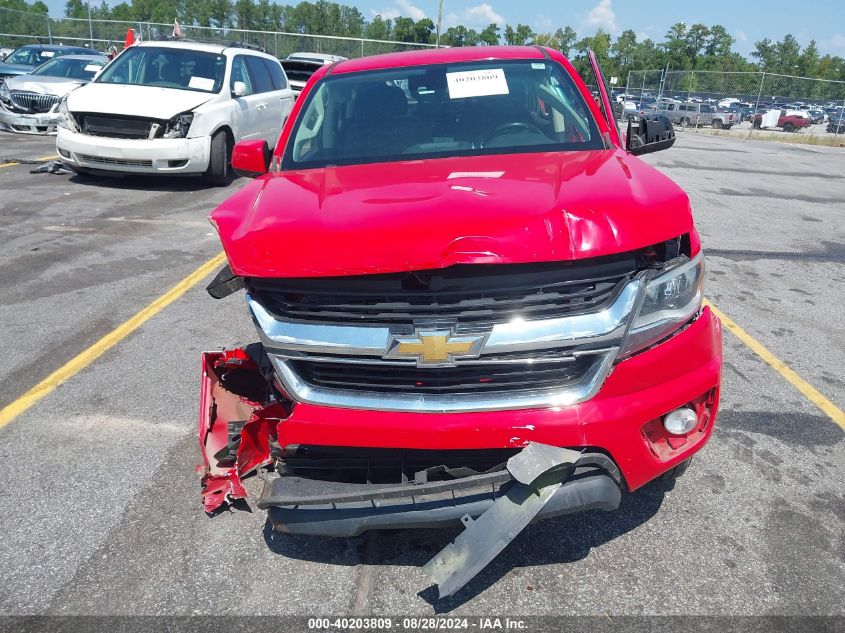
{"type": "Point", "coordinates": [435, 347]}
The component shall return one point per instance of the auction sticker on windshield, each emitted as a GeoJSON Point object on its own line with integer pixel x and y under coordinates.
{"type": "Point", "coordinates": [477, 83]}
{"type": "Point", "coordinates": [201, 83]}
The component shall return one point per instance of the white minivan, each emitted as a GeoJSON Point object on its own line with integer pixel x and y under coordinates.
{"type": "Point", "coordinates": [174, 107]}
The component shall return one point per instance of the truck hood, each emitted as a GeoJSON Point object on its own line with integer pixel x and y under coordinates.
{"type": "Point", "coordinates": [429, 214]}
{"type": "Point", "coordinates": [58, 86]}
{"type": "Point", "coordinates": [141, 101]}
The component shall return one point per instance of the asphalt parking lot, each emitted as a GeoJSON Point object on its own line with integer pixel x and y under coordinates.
{"type": "Point", "coordinates": [100, 505]}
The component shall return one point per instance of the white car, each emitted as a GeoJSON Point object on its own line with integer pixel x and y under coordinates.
{"type": "Point", "coordinates": [322, 58]}
{"type": "Point", "coordinates": [174, 108]}
{"type": "Point", "coordinates": [28, 103]}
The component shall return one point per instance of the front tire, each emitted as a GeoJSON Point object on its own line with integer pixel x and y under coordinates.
{"type": "Point", "coordinates": [789, 127]}
{"type": "Point", "coordinates": [218, 173]}
{"type": "Point", "coordinates": [685, 122]}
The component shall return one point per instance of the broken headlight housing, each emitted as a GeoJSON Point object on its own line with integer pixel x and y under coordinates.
{"type": "Point", "coordinates": [672, 298]}
{"type": "Point", "coordinates": [178, 126]}
{"type": "Point", "coordinates": [66, 119]}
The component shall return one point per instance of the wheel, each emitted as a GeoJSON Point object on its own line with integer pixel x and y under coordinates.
{"type": "Point", "coordinates": [788, 127]}
{"type": "Point", "coordinates": [756, 125]}
{"type": "Point", "coordinates": [685, 122]}
{"type": "Point", "coordinates": [217, 173]}
{"type": "Point", "coordinates": [717, 124]}
{"type": "Point", "coordinates": [677, 471]}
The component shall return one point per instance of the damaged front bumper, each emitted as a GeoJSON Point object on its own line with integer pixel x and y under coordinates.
{"type": "Point", "coordinates": [238, 421]}
{"type": "Point", "coordinates": [22, 123]}
{"type": "Point", "coordinates": [297, 505]}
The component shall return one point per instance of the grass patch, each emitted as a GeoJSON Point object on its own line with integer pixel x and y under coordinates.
{"type": "Point", "coordinates": [796, 138]}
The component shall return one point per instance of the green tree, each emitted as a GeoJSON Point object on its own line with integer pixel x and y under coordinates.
{"type": "Point", "coordinates": [404, 30]}
{"type": "Point", "coordinates": [600, 45]}
{"type": "Point", "coordinates": [808, 61]}
{"type": "Point", "coordinates": [379, 29]}
{"type": "Point", "coordinates": [696, 41]}
{"type": "Point", "coordinates": [490, 35]}
{"type": "Point", "coordinates": [519, 36]}
{"type": "Point", "coordinates": [561, 39]}
{"type": "Point", "coordinates": [788, 55]}
{"type": "Point", "coordinates": [675, 47]}
{"type": "Point", "coordinates": [423, 31]}
{"type": "Point", "coordinates": [766, 54]}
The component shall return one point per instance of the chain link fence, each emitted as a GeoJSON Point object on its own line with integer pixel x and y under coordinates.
{"type": "Point", "coordinates": [747, 93]}
{"type": "Point", "coordinates": [21, 27]}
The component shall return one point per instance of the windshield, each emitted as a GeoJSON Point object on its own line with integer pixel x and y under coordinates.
{"type": "Point", "coordinates": [439, 111]}
{"type": "Point", "coordinates": [80, 69]}
{"type": "Point", "coordinates": [30, 56]}
{"type": "Point", "coordinates": [165, 67]}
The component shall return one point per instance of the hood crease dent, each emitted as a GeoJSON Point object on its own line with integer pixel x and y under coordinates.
{"type": "Point", "coordinates": [430, 214]}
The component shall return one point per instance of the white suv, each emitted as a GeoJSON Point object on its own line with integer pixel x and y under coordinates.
{"type": "Point", "coordinates": [174, 107]}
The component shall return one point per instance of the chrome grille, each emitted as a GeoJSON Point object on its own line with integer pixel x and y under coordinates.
{"type": "Point", "coordinates": [461, 379]}
{"type": "Point", "coordinates": [33, 102]}
{"type": "Point", "coordinates": [469, 296]}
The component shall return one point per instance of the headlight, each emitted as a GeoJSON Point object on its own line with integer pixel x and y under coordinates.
{"type": "Point", "coordinates": [5, 93]}
{"type": "Point", "coordinates": [671, 300]}
{"type": "Point", "coordinates": [178, 126]}
{"type": "Point", "coordinates": [66, 119]}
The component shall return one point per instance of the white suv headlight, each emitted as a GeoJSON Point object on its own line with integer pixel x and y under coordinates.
{"type": "Point", "coordinates": [179, 125]}
{"type": "Point", "coordinates": [671, 300]}
{"type": "Point", "coordinates": [65, 118]}
{"type": "Point", "coordinates": [5, 93]}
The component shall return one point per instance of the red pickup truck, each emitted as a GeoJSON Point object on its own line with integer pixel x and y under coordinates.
{"type": "Point", "coordinates": [788, 122]}
{"type": "Point", "coordinates": [474, 305]}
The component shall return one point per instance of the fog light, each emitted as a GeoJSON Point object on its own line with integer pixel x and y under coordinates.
{"type": "Point", "coordinates": [680, 421]}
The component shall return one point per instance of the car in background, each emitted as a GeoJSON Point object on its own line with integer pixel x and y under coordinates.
{"type": "Point", "coordinates": [29, 103]}
{"type": "Point", "coordinates": [744, 112]}
{"type": "Point", "coordinates": [298, 72]}
{"type": "Point", "coordinates": [322, 58]}
{"type": "Point", "coordinates": [817, 116]}
{"type": "Point", "coordinates": [27, 58]}
{"type": "Point", "coordinates": [836, 125]}
{"type": "Point", "coordinates": [694, 114]}
{"type": "Point", "coordinates": [788, 120]}
{"type": "Point", "coordinates": [300, 66]}
{"type": "Point", "coordinates": [174, 107]}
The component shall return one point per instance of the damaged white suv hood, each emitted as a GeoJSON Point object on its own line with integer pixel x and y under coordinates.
{"type": "Point", "coordinates": [140, 101]}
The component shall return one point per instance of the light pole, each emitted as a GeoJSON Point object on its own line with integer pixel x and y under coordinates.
{"type": "Point", "coordinates": [439, 21]}
{"type": "Point", "coordinates": [90, 25]}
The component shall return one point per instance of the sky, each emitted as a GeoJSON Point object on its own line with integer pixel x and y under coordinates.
{"type": "Point", "coordinates": [747, 20]}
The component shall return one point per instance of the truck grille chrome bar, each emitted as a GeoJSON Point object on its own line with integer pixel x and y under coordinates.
{"type": "Point", "coordinates": [522, 363]}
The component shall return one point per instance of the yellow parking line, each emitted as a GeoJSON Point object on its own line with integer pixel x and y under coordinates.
{"type": "Point", "coordinates": [811, 393]}
{"type": "Point", "coordinates": [2, 165]}
{"type": "Point", "coordinates": [88, 356]}
{"type": "Point", "coordinates": [53, 157]}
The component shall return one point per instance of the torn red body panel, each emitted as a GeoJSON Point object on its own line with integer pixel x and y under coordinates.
{"type": "Point", "coordinates": [236, 424]}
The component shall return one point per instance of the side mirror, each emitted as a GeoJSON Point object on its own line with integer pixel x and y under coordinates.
{"type": "Point", "coordinates": [238, 89]}
{"type": "Point", "coordinates": [653, 133]}
{"type": "Point", "coordinates": [251, 158]}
